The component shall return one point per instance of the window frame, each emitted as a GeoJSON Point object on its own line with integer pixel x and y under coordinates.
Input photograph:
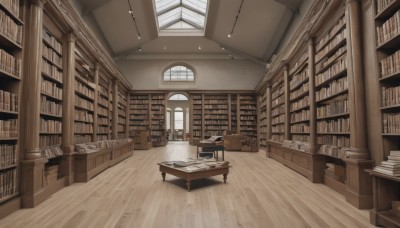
{"type": "Point", "coordinates": [187, 75]}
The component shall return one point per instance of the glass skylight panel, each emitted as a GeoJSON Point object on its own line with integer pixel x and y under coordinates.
{"type": "Point", "coordinates": [169, 16]}
{"type": "Point", "coordinates": [162, 5]}
{"type": "Point", "coordinates": [200, 5]}
{"type": "Point", "coordinates": [193, 17]}
{"type": "Point", "coordinates": [179, 73]}
{"type": "Point", "coordinates": [181, 15]}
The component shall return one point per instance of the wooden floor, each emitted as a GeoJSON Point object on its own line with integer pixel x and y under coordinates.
{"type": "Point", "coordinates": [260, 192]}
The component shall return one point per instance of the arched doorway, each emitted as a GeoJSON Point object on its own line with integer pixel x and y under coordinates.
{"type": "Point", "coordinates": [178, 116]}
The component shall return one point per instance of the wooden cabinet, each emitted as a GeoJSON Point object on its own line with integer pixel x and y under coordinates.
{"type": "Point", "coordinates": [386, 190]}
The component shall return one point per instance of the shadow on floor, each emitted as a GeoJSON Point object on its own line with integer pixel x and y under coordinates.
{"type": "Point", "coordinates": [196, 184]}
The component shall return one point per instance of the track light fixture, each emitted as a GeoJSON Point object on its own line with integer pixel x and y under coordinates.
{"type": "Point", "coordinates": [133, 19]}
{"type": "Point", "coordinates": [236, 19]}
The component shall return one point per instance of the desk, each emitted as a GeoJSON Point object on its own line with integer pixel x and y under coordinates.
{"type": "Point", "coordinates": [212, 147]}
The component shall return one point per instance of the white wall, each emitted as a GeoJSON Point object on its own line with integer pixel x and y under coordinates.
{"type": "Point", "coordinates": [213, 74]}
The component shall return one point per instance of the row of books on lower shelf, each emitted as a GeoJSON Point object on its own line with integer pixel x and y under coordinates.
{"type": "Point", "coordinates": [10, 28]}
{"type": "Point", "coordinates": [50, 107]}
{"type": "Point", "coordinates": [8, 183]}
{"type": "Point", "coordinates": [8, 101]}
{"type": "Point", "coordinates": [8, 155]}
{"type": "Point", "coordinates": [9, 128]}
{"type": "Point", "coordinates": [391, 166]}
{"type": "Point", "coordinates": [391, 123]}
{"type": "Point", "coordinates": [51, 151]}
{"type": "Point", "coordinates": [9, 64]}
{"type": "Point", "coordinates": [390, 96]}
{"type": "Point", "coordinates": [296, 145]}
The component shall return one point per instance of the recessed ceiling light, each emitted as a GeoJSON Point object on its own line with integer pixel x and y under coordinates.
{"type": "Point", "coordinates": [229, 35]}
{"type": "Point", "coordinates": [138, 37]}
{"type": "Point", "coordinates": [165, 48]}
{"type": "Point", "coordinates": [199, 47]}
{"type": "Point", "coordinates": [140, 49]}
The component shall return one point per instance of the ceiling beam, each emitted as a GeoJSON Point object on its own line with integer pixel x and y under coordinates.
{"type": "Point", "coordinates": [294, 5]}
{"type": "Point", "coordinates": [237, 52]}
{"type": "Point", "coordinates": [93, 5]}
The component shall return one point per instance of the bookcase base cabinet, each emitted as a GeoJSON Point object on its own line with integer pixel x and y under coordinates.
{"type": "Point", "coordinates": [121, 152]}
{"type": "Point", "coordinates": [89, 165]}
{"type": "Point", "coordinates": [9, 207]}
{"type": "Point", "coordinates": [386, 190]}
{"type": "Point", "coordinates": [34, 190]}
{"type": "Point", "coordinates": [306, 164]}
{"type": "Point", "coordinates": [357, 190]}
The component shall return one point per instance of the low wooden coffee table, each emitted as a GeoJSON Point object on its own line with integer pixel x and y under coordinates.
{"type": "Point", "coordinates": [193, 175]}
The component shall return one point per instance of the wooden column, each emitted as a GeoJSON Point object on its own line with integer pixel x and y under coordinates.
{"type": "Point", "coordinates": [115, 109]}
{"type": "Point", "coordinates": [269, 116]}
{"type": "Point", "coordinates": [110, 108]}
{"type": "Point", "coordinates": [33, 163]}
{"type": "Point", "coordinates": [287, 100]}
{"type": "Point", "coordinates": [358, 129]}
{"type": "Point", "coordinates": [68, 109]}
{"type": "Point", "coordinates": [96, 97]}
{"type": "Point", "coordinates": [359, 183]}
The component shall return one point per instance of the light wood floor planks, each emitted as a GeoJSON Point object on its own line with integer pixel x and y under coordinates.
{"type": "Point", "coordinates": [260, 192]}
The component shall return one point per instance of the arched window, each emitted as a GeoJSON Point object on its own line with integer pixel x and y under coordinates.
{"type": "Point", "coordinates": [178, 97]}
{"type": "Point", "coordinates": [178, 73]}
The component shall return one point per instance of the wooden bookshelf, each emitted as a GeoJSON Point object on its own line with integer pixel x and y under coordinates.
{"type": "Point", "coordinates": [299, 98]}
{"type": "Point", "coordinates": [263, 118]}
{"type": "Point", "coordinates": [122, 113]}
{"type": "Point", "coordinates": [248, 117]}
{"type": "Point", "coordinates": [387, 47]}
{"type": "Point", "coordinates": [234, 112]}
{"type": "Point", "coordinates": [11, 55]}
{"type": "Point", "coordinates": [197, 116]}
{"type": "Point", "coordinates": [51, 106]}
{"type": "Point", "coordinates": [139, 105]}
{"type": "Point", "coordinates": [103, 104]}
{"type": "Point", "coordinates": [158, 128]}
{"type": "Point", "coordinates": [84, 100]}
{"type": "Point", "coordinates": [278, 110]}
{"type": "Point", "coordinates": [216, 112]}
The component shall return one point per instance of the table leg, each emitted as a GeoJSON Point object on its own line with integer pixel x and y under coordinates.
{"type": "Point", "coordinates": [225, 177]}
{"type": "Point", "coordinates": [223, 155]}
{"type": "Point", "coordinates": [188, 186]}
{"type": "Point", "coordinates": [163, 176]}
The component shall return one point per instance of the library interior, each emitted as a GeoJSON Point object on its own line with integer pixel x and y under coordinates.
{"type": "Point", "coordinates": [204, 113]}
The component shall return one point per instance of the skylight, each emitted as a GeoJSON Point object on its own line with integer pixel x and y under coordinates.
{"type": "Point", "coordinates": [180, 16]}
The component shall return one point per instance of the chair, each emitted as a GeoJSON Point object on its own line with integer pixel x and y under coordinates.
{"type": "Point", "coordinates": [178, 135]}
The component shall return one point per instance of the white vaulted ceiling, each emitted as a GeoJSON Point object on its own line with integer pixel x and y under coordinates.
{"type": "Point", "coordinates": [260, 28]}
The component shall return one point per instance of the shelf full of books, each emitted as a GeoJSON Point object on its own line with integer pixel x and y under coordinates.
{"type": "Point", "coordinates": [122, 111]}
{"type": "Point", "coordinates": [158, 122]}
{"type": "Point", "coordinates": [248, 117]}
{"type": "Point", "coordinates": [84, 104]}
{"type": "Point", "coordinates": [234, 112]}
{"type": "Point", "coordinates": [103, 104]}
{"type": "Point", "coordinates": [216, 113]}
{"type": "Point", "coordinates": [299, 96]}
{"type": "Point", "coordinates": [278, 110]}
{"type": "Point", "coordinates": [139, 105]}
{"type": "Point", "coordinates": [197, 101]}
{"type": "Point", "coordinates": [387, 23]}
{"type": "Point", "coordinates": [263, 118]}
{"type": "Point", "coordinates": [11, 52]}
{"type": "Point", "coordinates": [331, 91]}
{"type": "Point", "coordinates": [51, 96]}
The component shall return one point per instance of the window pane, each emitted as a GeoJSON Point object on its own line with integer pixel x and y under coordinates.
{"type": "Point", "coordinates": [169, 16]}
{"type": "Point", "coordinates": [178, 120]}
{"type": "Point", "coordinates": [178, 73]}
{"type": "Point", "coordinates": [200, 5]}
{"type": "Point", "coordinates": [165, 4]}
{"type": "Point", "coordinates": [193, 17]}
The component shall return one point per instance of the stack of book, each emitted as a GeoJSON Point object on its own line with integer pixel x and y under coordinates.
{"type": "Point", "coordinates": [391, 166]}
